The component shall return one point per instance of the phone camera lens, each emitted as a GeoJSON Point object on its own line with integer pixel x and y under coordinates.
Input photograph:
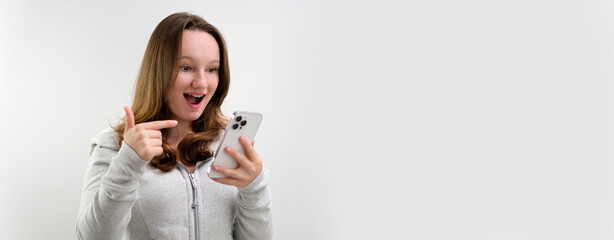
{"type": "Point", "coordinates": [235, 126]}
{"type": "Point", "coordinates": [243, 123]}
{"type": "Point", "coordinates": [238, 118]}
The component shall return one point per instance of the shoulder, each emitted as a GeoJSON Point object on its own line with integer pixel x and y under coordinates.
{"type": "Point", "coordinates": [108, 138]}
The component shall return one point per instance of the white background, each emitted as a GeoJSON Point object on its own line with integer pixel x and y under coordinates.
{"type": "Point", "coordinates": [418, 120]}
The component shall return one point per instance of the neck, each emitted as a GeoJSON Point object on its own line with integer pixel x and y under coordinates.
{"type": "Point", "coordinates": [179, 132]}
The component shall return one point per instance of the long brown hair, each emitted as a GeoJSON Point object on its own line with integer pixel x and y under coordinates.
{"type": "Point", "coordinates": [158, 71]}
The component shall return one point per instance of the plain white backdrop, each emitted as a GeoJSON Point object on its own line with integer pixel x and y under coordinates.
{"type": "Point", "coordinates": [417, 120]}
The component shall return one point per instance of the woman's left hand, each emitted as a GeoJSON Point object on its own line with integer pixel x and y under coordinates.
{"type": "Point", "coordinates": [250, 166]}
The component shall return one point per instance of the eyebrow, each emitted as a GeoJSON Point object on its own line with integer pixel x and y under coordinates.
{"type": "Point", "coordinates": [190, 58]}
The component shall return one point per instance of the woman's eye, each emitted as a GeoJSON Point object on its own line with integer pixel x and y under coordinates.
{"type": "Point", "coordinates": [185, 68]}
{"type": "Point", "coordinates": [211, 69]}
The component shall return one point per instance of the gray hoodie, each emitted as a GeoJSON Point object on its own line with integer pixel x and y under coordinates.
{"type": "Point", "coordinates": [124, 197]}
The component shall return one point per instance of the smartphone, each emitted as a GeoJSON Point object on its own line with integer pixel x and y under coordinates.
{"type": "Point", "coordinates": [241, 124]}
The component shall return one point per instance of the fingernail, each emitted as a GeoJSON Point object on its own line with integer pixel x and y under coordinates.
{"type": "Point", "coordinates": [228, 149]}
{"type": "Point", "coordinates": [243, 138]}
{"type": "Point", "coordinates": [215, 167]}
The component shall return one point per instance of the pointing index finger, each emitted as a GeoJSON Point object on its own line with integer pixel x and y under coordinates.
{"type": "Point", "coordinates": [156, 125]}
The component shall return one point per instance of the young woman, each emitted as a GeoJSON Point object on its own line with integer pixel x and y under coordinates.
{"type": "Point", "coordinates": [146, 177]}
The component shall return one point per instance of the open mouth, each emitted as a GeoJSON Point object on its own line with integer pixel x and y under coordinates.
{"type": "Point", "coordinates": [193, 98]}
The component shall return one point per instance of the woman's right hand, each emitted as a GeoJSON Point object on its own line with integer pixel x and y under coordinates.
{"type": "Point", "coordinates": [145, 138]}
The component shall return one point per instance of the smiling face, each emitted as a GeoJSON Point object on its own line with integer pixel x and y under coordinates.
{"type": "Point", "coordinates": [197, 76]}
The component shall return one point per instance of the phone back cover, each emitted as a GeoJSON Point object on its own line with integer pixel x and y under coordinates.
{"type": "Point", "coordinates": [231, 138]}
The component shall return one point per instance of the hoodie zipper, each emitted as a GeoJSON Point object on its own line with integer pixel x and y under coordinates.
{"type": "Point", "coordinates": [194, 204]}
{"type": "Point", "coordinates": [195, 195]}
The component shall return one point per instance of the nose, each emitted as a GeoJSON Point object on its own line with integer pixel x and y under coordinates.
{"type": "Point", "coordinates": [200, 80]}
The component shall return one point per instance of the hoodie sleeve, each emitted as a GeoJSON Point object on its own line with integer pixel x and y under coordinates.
{"type": "Point", "coordinates": [254, 216]}
{"type": "Point", "coordinates": [109, 189]}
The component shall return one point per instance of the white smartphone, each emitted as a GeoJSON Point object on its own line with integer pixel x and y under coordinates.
{"type": "Point", "coordinates": [241, 124]}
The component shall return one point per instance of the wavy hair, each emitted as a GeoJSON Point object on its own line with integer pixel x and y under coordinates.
{"type": "Point", "coordinates": [158, 71]}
